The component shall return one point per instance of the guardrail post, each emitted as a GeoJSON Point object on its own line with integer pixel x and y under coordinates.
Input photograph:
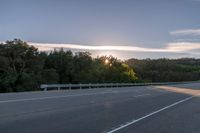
{"type": "Point", "coordinates": [70, 87]}
{"type": "Point", "coordinates": [80, 86]}
{"type": "Point", "coordinates": [89, 85]}
{"type": "Point", "coordinates": [58, 88]}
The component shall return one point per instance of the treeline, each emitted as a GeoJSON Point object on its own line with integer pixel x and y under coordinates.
{"type": "Point", "coordinates": [24, 68]}
{"type": "Point", "coordinates": [166, 70]}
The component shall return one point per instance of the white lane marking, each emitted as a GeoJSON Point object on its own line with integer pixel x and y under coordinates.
{"type": "Point", "coordinates": [146, 116]}
{"type": "Point", "coordinates": [54, 97]}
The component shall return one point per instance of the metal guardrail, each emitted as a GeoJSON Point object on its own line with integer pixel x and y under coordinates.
{"type": "Point", "coordinates": [83, 86]}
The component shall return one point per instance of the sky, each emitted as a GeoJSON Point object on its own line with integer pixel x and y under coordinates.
{"type": "Point", "coordinates": [122, 28]}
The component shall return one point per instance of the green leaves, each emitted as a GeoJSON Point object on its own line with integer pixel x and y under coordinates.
{"type": "Point", "coordinates": [166, 70]}
{"type": "Point", "coordinates": [17, 61]}
{"type": "Point", "coordinates": [24, 68]}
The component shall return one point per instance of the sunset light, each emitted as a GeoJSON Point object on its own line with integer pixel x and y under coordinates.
{"type": "Point", "coordinates": [106, 61]}
{"type": "Point", "coordinates": [100, 66]}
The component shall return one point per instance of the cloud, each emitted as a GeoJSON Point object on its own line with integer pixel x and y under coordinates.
{"type": "Point", "coordinates": [48, 46]}
{"type": "Point", "coordinates": [182, 46]}
{"type": "Point", "coordinates": [174, 47]}
{"type": "Point", "coordinates": [193, 32]}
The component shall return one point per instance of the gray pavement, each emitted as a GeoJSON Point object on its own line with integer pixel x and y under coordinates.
{"type": "Point", "coordinates": [144, 109]}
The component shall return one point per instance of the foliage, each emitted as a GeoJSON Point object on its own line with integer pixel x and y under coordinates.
{"type": "Point", "coordinates": [166, 70]}
{"type": "Point", "coordinates": [24, 68]}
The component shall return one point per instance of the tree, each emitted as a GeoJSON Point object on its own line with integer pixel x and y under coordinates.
{"type": "Point", "coordinates": [24, 68]}
{"type": "Point", "coordinates": [166, 70]}
{"type": "Point", "coordinates": [62, 62]}
{"type": "Point", "coordinates": [18, 57]}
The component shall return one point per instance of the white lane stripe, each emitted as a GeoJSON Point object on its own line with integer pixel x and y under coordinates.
{"type": "Point", "coordinates": [146, 116]}
{"type": "Point", "coordinates": [54, 97]}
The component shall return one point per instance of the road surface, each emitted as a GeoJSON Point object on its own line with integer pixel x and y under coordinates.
{"type": "Point", "coordinates": [142, 109]}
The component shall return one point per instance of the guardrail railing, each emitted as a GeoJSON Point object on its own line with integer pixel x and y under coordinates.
{"type": "Point", "coordinates": [104, 85]}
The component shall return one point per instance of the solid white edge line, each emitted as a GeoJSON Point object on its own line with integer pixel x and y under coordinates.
{"type": "Point", "coordinates": [153, 113]}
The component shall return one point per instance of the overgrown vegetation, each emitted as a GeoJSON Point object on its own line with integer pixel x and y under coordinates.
{"type": "Point", "coordinates": [24, 68]}
{"type": "Point", "coordinates": [166, 70]}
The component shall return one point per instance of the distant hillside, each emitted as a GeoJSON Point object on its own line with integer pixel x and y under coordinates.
{"type": "Point", "coordinates": [166, 70]}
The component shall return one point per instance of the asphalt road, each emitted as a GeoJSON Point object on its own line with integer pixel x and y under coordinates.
{"type": "Point", "coordinates": [144, 109]}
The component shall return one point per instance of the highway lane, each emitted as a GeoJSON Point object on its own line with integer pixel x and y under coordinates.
{"type": "Point", "coordinates": [98, 110]}
{"type": "Point", "coordinates": [184, 118]}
